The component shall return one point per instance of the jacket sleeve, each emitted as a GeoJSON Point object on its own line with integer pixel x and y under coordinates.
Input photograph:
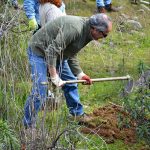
{"type": "Point", "coordinates": [31, 8]}
{"type": "Point", "coordinates": [74, 65]}
{"type": "Point", "coordinates": [100, 3]}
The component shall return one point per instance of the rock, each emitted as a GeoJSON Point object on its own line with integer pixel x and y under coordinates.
{"type": "Point", "coordinates": [134, 32]}
{"type": "Point", "coordinates": [135, 24]}
{"type": "Point", "coordinates": [125, 16]}
{"type": "Point", "coordinates": [129, 42]}
{"type": "Point", "coordinates": [135, 18]}
{"type": "Point", "coordinates": [145, 7]}
{"type": "Point", "coordinates": [111, 44]}
{"type": "Point", "coordinates": [97, 43]}
{"type": "Point", "coordinates": [142, 34]}
{"type": "Point", "coordinates": [141, 10]}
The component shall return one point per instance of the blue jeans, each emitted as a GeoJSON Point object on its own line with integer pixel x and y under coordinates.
{"type": "Point", "coordinates": [102, 2]}
{"type": "Point", "coordinates": [39, 92]}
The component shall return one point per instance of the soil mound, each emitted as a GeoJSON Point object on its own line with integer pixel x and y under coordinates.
{"type": "Point", "coordinates": [111, 122]}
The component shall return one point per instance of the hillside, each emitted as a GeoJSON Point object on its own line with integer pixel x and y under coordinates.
{"type": "Point", "coordinates": [119, 122]}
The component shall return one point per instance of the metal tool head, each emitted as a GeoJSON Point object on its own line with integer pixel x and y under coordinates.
{"type": "Point", "coordinates": [128, 88]}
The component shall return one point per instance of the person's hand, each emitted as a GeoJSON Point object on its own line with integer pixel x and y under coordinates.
{"type": "Point", "coordinates": [83, 76]}
{"type": "Point", "coordinates": [57, 81]}
{"type": "Point", "coordinates": [88, 79]}
{"type": "Point", "coordinates": [33, 24]}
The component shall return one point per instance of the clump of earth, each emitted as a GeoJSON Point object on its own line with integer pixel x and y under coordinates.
{"type": "Point", "coordinates": [111, 122]}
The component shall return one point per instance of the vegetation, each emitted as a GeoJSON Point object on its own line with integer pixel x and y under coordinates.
{"type": "Point", "coordinates": [138, 105]}
{"type": "Point", "coordinates": [125, 51]}
{"type": "Point", "coordinates": [8, 138]}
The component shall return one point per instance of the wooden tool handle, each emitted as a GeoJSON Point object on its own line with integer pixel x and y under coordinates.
{"type": "Point", "coordinates": [94, 80]}
{"type": "Point", "coordinates": [99, 79]}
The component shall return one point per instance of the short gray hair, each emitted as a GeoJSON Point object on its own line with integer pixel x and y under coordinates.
{"type": "Point", "coordinates": [100, 22]}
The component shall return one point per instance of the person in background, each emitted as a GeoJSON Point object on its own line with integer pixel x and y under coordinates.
{"type": "Point", "coordinates": [49, 10]}
{"type": "Point", "coordinates": [31, 8]}
{"type": "Point", "coordinates": [55, 47]}
{"type": "Point", "coordinates": [105, 5]}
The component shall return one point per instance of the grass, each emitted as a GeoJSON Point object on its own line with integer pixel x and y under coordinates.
{"type": "Point", "coordinates": [118, 55]}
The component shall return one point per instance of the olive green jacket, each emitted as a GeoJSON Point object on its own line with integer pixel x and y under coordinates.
{"type": "Point", "coordinates": [62, 39]}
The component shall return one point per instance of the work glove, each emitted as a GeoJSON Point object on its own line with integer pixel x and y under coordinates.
{"type": "Point", "coordinates": [83, 76]}
{"type": "Point", "coordinates": [57, 81]}
{"type": "Point", "coordinates": [33, 24]}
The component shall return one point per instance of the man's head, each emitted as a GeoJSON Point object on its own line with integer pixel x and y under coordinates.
{"type": "Point", "coordinates": [100, 25]}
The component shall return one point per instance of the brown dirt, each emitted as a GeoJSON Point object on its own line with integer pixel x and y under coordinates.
{"type": "Point", "coordinates": [104, 122]}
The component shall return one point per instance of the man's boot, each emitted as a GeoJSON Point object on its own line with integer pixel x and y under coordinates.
{"type": "Point", "coordinates": [111, 8]}
{"type": "Point", "coordinates": [101, 9]}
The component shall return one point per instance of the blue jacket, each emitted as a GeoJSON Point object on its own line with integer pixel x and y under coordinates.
{"type": "Point", "coordinates": [31, 8]}
{"type": "Point", "coordinates": [102, 2]}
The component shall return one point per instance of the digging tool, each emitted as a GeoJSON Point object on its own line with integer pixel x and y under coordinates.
{"type": "Point", "coordinates": [99, 79]}
{"type": "Point", "coordinates": [94, 80]}
{"type": "Point", "coordinates": [128, 88]}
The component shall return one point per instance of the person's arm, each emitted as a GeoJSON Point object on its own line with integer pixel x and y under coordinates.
{"type": "Point", "coordinates": [77, 71]}
{"type": "Point", "coordinates": [74, 65]}
{"type": "Point", "coordinates": [31, 9]}
{"type": "Point", "coordinates": [56, 48]}
{"type": "Point", "coordinates": [55, 77]}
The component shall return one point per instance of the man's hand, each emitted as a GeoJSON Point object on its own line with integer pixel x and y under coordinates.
{"type": "Point", "coordinates": [83, 76]}
{"type": "Point", "coordinates": [87, 78]}
{"type": "Point", "coordinates": [57, 81]}
{"type": "Point", "coordinates": [33, 24]}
